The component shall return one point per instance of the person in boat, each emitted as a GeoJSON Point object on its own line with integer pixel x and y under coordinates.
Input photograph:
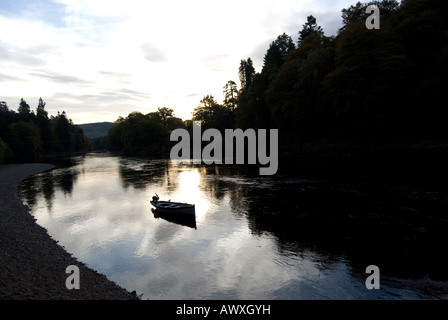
{"type": "Point", "coordinates": [155, 198]}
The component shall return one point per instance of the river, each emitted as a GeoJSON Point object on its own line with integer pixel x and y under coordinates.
{"type": "Point", "coordinates": [252, 237]}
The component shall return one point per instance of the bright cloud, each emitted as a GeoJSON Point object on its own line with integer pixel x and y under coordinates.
{"type": "Point", "coordinates": [98, 60]}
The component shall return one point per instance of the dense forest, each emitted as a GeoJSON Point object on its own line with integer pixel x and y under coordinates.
{"type": "Point", "coordinates": [361, 92]}
{"type": "Point", "coordinates": [140, 134]}
{"type": "Point", "coordinates": [25, 134]}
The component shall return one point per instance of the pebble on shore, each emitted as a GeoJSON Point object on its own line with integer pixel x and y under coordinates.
{"type": "Point", "coordinates": [32, 264]}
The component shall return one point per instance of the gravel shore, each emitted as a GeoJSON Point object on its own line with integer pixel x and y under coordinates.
{"type": "Point", "coordinates": [32, 264]}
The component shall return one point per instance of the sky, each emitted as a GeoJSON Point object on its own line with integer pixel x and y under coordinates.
{"type": "Point", "coordinates": [101, 59]}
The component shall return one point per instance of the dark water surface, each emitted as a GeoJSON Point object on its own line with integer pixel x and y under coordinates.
{"type": "Point", "coordinates": [279, 237]}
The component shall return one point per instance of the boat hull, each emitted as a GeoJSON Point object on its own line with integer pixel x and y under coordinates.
{"type": "Point", "coordinates": [188, 220]}
{"type": "Point", "coordinates": [174, 207]}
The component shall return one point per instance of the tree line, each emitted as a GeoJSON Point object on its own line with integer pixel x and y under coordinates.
{"type": "Point", "coordinates": [144, 134]}
{"type": "Point", "coordinates": [25, 135]}
{"type": "Point", "coordinates": [360, 92]}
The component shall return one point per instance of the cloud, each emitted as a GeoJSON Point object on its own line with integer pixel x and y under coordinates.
{"type": "Point", "coordinates": [113, 74]}
{"type": "Point", "coordinates": [5, 77]}
{"type": "Point", "coordinates": [135, 94]}
{"type": "Point", "coordinates": [118, 97]}
{"type": "Point", "coordinates": [215, 61]}
{"type": "Point", "coordinates": [152, 53]}
{"type": "Point", "coordinates": [59, 78]}
{"type": "Point", "coordinates": [27, 57]}
{"type": "Point", "coordinates": [107, 105]}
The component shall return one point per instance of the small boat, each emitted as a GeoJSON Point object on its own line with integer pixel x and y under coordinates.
{"type": "Point", "coordinates": [172, 207]}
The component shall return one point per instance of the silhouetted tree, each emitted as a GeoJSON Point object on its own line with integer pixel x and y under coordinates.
{"type": "Point", "coordinates": [61, 127]}
{"type": "Point", "coordinates": [40, 133]}
{"type": "Point", "coordinates": [279, 50]}
{"type": "Point", "coordinates": [165, 114]}
{"type": "Point", "coordinates": [6, 118]}
{"type": "Point", "coordinates": [24, 111]}
{"type": "Point", "coordinates": [213, 115]}
{"type": "Point", "coordinates": [246, 72]}
{"type": "Point", "coordinates": [24, 140]}
{"type": "Point", "coordinates": [308, 28]}
{"type": "Point", "coordinates": [43, 122]}
{"type": "Point", "coordinates": [140, 134]}
{"type": "Point", "coordinates": [3, 106]}
{"type": "Point", "coordinates": [40, 110]}
{"type": "Point", "coordinates": [230, 95]}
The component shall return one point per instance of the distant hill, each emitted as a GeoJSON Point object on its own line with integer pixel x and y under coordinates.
{"type": "Point", "coordinates": [96, 130]}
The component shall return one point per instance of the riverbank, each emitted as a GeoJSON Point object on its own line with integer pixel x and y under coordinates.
{"type": "Point", "coordinates": [32, 264]}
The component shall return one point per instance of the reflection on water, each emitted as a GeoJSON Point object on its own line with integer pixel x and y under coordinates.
{"type": "Point", "coordinates": [252, 237]}
{"type": "Point", "coordinates": [188, 220]}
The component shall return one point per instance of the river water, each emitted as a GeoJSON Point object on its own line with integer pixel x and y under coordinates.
{"type": "Point", "coordinates": [252, 237]}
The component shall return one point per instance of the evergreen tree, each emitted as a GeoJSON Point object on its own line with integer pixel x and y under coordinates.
{"type": "Point", "coordinates": [246, 72]}
{"type": "Point", "coordinates": [24, 110]}
{"type": "Point", "coordinates": [4, 106]}
{"type": "Point", "coordinates": [6, 118]}
{"type": "Point", "coordinates": [230, 95]}
{"type": "Point", "coordinates": [43, 122]}
{"type": "Point", "coordinates": [41, 113]}
{"type": "Point", "coordinates": [309, 28]}
{"type": "Point", "coordinates": [61, 129]}
{"type": "Point", "coordinates": [278, 51]}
